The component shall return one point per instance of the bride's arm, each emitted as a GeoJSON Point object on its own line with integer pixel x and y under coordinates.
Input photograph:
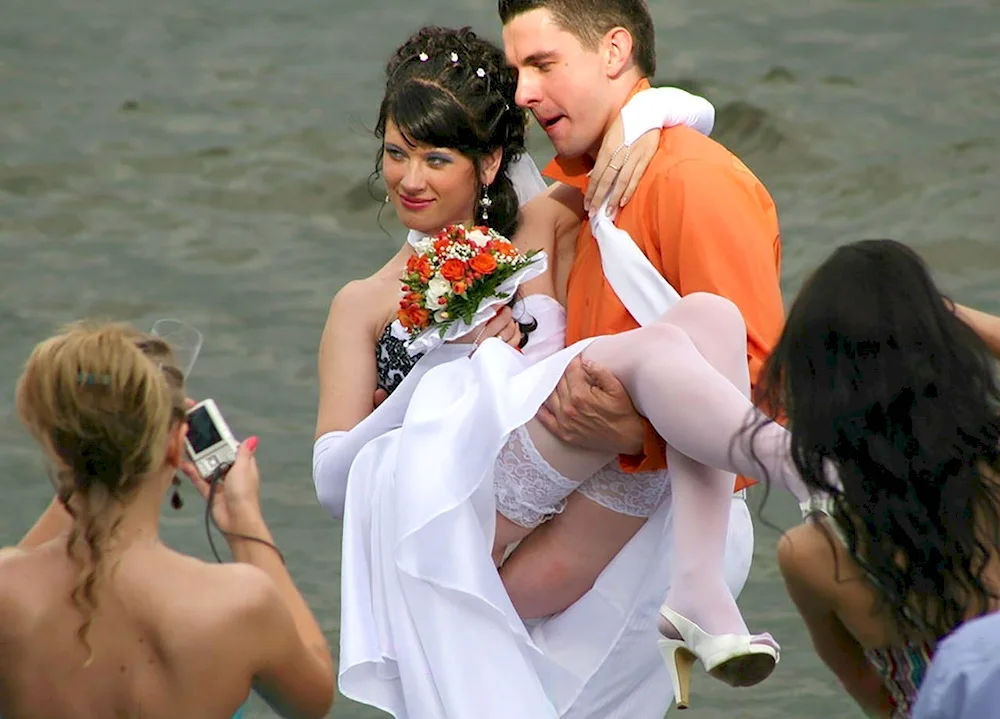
{"type": "Point", "coordinates": [347, 419]}
{"type": "Point", "coordinates": [634, 137]}
{"type": "Point", "coordinates": [549, 222]}
{"type": "Point", "coordinates": [346, 363]}
{"type": "Point", "coordinates": [660, 107]}
{"type": "Point", "coordinates": [347, 383]}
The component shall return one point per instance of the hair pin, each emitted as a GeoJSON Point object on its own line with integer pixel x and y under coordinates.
{"type": "Point", "coordinates": [480, 72]}
{"type": "Point", "coordinates": [91, 379]}
{"type": "Point", "coordinates": [454, 57]}
{"type": "Point", "coordinates": [423, 57]}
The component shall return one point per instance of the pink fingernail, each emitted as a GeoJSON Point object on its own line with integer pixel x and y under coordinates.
{"type": "Point", "coordinates": [252, 444]}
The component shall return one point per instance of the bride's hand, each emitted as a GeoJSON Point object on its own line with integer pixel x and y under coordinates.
{"type": "Point", "coordinates": [618, 168]}
{"type": "Point", "coordinates": [502, 325]}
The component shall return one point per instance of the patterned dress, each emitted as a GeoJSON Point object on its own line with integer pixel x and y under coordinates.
{"type": "Point", "coordinates": [392, 359]}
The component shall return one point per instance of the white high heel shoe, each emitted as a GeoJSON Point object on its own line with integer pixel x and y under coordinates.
{"type": "Point", "coordinates": [739, 660]}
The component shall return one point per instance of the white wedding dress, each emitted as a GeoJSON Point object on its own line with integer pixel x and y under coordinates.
{"type": "Point", "coordinates": [427, 630]}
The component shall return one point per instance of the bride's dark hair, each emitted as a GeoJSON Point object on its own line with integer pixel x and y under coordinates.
{"type": "Point", "coordinates": [451, 88]}
{"type": "Point", "coordinates": [877, 375]}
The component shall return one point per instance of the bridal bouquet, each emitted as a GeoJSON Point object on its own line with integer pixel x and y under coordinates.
{"type": "Point", "coordinates": [456, 279]}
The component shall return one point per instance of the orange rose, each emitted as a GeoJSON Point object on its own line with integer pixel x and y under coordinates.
{"type": "Point", "coordinates": [441, 245]}
{"type": "Point", "coordinates": [424, 269]}
{"type": "Point", "coordinates": [417, 316]}
{"type": "Point", "coordinates": [483, 263]}
{"type": "Point", "coordinates": [453, 269]}
{"type": "Point", "coordinates": [411, 298]}
{"type": "Point", "coordinates": [502, 247]}
{"type": "Point", "coordinates": [459, 287]}
{"type": "Point", "coordinates": [403, 316]}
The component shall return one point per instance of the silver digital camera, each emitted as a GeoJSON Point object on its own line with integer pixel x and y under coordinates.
{"type": "Point", "coordinates": [210, 442]}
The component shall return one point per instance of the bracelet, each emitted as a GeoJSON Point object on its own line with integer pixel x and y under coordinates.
{"type": "Point", "coordinates": [476, 341]}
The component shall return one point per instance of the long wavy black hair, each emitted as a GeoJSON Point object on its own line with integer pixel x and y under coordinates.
{"type": "Point", "coordinates": [876, 374]}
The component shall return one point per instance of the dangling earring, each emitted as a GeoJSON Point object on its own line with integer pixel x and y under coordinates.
{"type": "Point", "coordinates": [485, 203]}
{"type": "Point", "coordinates": [386, 200]}
{"type": "Point", "coordinates": [175, 499]}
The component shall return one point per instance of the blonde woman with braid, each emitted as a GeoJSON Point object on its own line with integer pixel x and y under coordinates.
{"type": "Point", "coordinates": [98, 618]}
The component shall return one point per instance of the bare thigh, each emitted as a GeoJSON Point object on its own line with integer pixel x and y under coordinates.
{"type": "Point", "coordinates": [559, 562]}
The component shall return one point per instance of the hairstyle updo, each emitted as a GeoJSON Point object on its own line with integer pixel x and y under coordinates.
{"type": "Point", "coordinates": [452, 89]}
{"type": "Point", "coordinates": [101, 400]}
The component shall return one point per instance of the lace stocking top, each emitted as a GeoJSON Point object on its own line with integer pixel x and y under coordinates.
{"type": "Point", "coordinates": [392, 359]}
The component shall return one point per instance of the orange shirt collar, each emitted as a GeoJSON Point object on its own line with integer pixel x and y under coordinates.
{"type": "Point", "coordinates": [573, 171]}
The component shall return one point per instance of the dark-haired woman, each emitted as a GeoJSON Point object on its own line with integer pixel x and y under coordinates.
{"type": "Point", "coordinates": [894, 411]}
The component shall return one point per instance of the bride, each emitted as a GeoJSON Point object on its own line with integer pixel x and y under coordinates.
{"type": "Point", "coordinates": [427, 628]}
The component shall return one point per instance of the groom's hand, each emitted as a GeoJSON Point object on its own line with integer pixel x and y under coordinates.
{"type": "Point", "coordinates": [590, 408]}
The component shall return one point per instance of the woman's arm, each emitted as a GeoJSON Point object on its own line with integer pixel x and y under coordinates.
{"type": "Point", "coordinates": [346, 365]}
{"type": "Point", "coordinates": [985, 325]}
{"type": "Point", "coordinates": [630, 143]}
{"type": "Point", "coordinates": [660, 107]}
{"type": "Point", "coordinates": [54, 521]}
{"type": "Point", "coordinates": [277, 633]}
{"type": "Point", "coordinates": [807, 564]}
{"type": "Point", "coordinates": [347, 419]}
{"type": "Point", "coordinates": [549, 223]}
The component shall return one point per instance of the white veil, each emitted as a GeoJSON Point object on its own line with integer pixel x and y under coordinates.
{"type": "Point", "coordinates": [527, 181]}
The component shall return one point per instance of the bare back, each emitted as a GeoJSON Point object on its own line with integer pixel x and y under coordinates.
{"type": "Point", "coordinates": [172, 637]}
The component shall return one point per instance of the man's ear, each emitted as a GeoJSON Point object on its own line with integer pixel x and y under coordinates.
{"type": "Point", "coordinates": [617, 49]}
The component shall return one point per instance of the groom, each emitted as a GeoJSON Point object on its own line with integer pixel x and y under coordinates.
{"type": "Point", "coordinates": [698, 214]}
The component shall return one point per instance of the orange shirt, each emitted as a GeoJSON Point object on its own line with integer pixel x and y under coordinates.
{"type": "Point", "coordinates": [708, 225]}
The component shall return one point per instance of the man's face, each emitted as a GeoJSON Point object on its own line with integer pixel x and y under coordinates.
{"type": "Point", "coordinates": [564, 85]}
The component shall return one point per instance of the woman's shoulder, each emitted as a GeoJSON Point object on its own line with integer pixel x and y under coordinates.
{"type": "Point", "coordinates": [812, 554]}
{"type": "Point", "coordinates": [811, 551]}
{"type": "Point", "coordinates": [241, 587]}
{"type": "Point", "coordinates": [11, 561]}
{"type": "Point", "coordinates": [361, 303]}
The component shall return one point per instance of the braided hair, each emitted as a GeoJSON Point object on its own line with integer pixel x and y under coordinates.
{"type": "Point", "coordinates": [451, 88]}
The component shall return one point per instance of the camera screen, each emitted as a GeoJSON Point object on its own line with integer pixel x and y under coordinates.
{"type": "Point", "coordinates": [202, 433]}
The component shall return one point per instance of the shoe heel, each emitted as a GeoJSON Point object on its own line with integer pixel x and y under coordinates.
{"type": "Point", "coordinates": [679, 663]}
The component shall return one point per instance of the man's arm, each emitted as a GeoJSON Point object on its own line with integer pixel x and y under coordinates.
{"type": "Point", "coordinates": [718, 228]}
{"type": "Point", "coordinates": [718, 232]}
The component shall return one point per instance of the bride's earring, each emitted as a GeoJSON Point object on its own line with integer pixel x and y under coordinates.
{"type": "Point", "coordinates": [485, 203]}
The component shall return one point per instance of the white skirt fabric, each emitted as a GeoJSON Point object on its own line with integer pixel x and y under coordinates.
{"type": "Point", "coordinates": [427, 630]}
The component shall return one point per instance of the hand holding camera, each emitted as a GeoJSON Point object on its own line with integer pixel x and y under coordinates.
{"type": "Point", "coordinates": [223, 470]}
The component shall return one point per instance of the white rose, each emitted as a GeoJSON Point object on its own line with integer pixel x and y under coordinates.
{"type": "Point", "coordinates": [423, 246]}
{"type": "Point", "coordinates": [437, 288]}
{"type": "Point", "coordinates": [477, 237]}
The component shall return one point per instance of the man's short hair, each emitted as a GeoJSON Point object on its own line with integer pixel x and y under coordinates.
{"type": "Point", "coordinates": [590, 21]}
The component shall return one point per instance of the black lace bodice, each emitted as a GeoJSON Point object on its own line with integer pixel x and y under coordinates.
{"type": "Point", "coordinates": [392, 360]}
